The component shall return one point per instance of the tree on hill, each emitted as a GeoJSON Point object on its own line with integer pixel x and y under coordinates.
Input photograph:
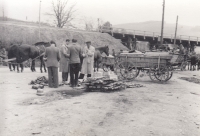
{"type": "Point", "coordinates": [107, 26]}
{"type": "Point", "coordinates": [89, 24]}
{"type": "Point", "coordinates": [63, 12]}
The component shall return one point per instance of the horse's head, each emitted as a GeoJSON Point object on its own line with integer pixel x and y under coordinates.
{"type": "Point", "coordinates": [106, 50]}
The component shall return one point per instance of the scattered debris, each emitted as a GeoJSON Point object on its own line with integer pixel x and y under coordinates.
{"type": "Point", "coordinates": [191, 79]}
{"type": "Point", "coordinates": [40, 80]}
{"type": "Point", "coordinates": [37, 86]}
{"type": "Point", "coordinates": [194, 93]}
{"type": "Point", "coordinates": [197, 123]}
{"type": "Point", "coordinates": [105, 84]}
{"type": "Point", "coordinates": [39, 83]}
{"type": "Point", "coordinates": [36, 133]}
{"type": "Point", "coordinates": [169, 94]}
{"type": "Point", "coordinates": [131, 85]}
{"type": "Point", "coordinates": [76, 102]}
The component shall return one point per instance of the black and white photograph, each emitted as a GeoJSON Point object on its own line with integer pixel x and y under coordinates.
{"type": "Point", "coordinates": [99, 68]}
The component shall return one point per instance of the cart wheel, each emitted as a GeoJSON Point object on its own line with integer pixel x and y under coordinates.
{"type": "Point", "coordinates": [160, 73]}
{"type": "Point", "coordinates": [128, 70]}
{"type": "Point", "coordinates": [117, 71]}
{"type": "Point", "coordinates": [170, 68]}
{"type": "Point", "coordinates": [183, 66]}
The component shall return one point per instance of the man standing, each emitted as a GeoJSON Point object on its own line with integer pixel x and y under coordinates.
{"type": "Point", "coordinates": [88, 60]}
{"type": "Point", "coordinates": [113, 52]}
{"type": "Point", "coordinates": [64, 62]}
{"type": "Point", "coordinates": [75, 54]}
{"type": "Point", "coordinates": [53, 57]}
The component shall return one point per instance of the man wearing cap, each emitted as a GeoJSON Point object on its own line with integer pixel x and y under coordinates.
{"type": "Point", "coordinates": [64, 61]}
{"type": "Point", "coordinates": [74, 57]}
{"type": "Point", "coordinates": [52, 54]}
{"type": "Point", "coordinates": [88, 60]}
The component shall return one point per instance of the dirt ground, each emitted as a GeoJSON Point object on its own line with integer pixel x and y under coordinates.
{"type": "Point", "coordinates": [171, 109]}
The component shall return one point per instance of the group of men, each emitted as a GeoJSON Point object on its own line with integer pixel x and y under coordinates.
{"type": "Point", "coordinates": [73, 59]}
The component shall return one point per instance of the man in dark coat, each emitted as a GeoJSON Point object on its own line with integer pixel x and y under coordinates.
{"type": "Point", "coordinates": [53, 57]}
{"type": "Point", "coordinates": [74, 55]}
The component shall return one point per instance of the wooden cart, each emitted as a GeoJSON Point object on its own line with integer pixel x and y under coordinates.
{"type": "Point", "coordinates": [130, 64]}
{"type": "Point", "coordinates": [108, 63]}
{"type": "Point", "coordinates": [178, 62]}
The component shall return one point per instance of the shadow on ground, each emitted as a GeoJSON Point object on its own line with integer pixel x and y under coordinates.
{"type": "Point", "coordinates": [53, 96]}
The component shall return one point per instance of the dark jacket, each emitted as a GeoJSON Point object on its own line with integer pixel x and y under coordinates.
{"type": "Point", "coordinates": [53, 56]}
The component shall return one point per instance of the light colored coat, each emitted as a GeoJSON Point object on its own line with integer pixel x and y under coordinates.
{"type": "Point", "coordinates": [64, 61]}
{"type": "Point", "coordinates": [88, 60]}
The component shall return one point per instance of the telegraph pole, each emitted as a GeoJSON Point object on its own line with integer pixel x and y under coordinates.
{"type": "Point", "coordinates": [176, 30]}
{"type": "Point", "coordinates": [98, 25]}
{"type": "Point", "coordinates": [3, 13]}
{"type": "Point", "coordinates": [39, 18]}
{"type": "Point", "coordinates": [162, 27]}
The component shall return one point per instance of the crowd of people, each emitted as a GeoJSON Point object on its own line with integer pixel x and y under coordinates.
{"type": "Point", "coordinates": [73, 60]}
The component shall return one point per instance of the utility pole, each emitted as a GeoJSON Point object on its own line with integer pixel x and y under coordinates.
{"type": "Point", "coordinates": [162, 27]}
{"type": "Point", "coordinates": [98, 25]}
{"type": "Point", "coordinates": [26, 20]}
{"type": "Point", "coordinates": [3, 13]}
{"type": "Point", "coordinates": [39, 18]}
{"type": "Point", "coordinates": [176, 30]}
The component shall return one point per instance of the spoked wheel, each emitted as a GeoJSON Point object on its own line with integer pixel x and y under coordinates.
{"type": "Point", "coordinates": [117, 71]}
{"type": "Point", "coordinates": [160, 73]}
{"type": "Point", "coordinates": [183, 65]}
{"type": "Point", "coordinates": [128, 70]}
{"type": "Point", "coordinates": [170, 68]}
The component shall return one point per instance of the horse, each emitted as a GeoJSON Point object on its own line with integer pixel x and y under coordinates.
{"type": "Point", "coordinates": [12, 65]}
{"type": "Point", "coordinates": [97, 55]}
{"type": "Point", "coordinates": [41, 47]}
{"type": "Point", "coordinates": [22, 53]}
{"type": "Point", "coordinates": [13, 53]}
{"type": "Point", "coordinates": [194, 60]}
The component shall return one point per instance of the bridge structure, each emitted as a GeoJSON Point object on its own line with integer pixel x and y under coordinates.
{"type": "Point", "coordinates": [129, 37]}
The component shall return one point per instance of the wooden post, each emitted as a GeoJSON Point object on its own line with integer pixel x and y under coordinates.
{"type": "Point", "coordinates": [162, 27]}
{"type": "Point", "coordinates": [171, 38]}
{"type": "Point", "coordinates": [189, 40]}
{"type": "Point", "coordinates": [98, 25]}
{"type": "Point", "coordinates": [176, 30]}
{"type": "Point", "coordinates": [39, 19]}
{"type": "Point", "coordinates": [3, 13]}
{"type": "Point", "coordinates": [153, 36]}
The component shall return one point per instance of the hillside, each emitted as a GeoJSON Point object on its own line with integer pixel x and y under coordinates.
{"type": "Point", "coordinates": [155, 26]}
{"type": "Point", "coordinates": [20, 33]}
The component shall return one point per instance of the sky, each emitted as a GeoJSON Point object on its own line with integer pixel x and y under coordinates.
{"type": "Point", "coordinates": [114, 11]}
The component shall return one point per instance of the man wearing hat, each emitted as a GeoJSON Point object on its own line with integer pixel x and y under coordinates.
{"type": "Point", "coordinates": [53, 57]}
{"type": "Point", "coordinates": [74, 57]}
{"type": "Point", "coordinates": [88, 60]}
{"type": "Point", "coordinates": [64, 61]}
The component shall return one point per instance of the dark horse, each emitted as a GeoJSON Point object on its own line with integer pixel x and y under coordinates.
{"type": "Point", "coordinates": [13, 53]}
{"type": "Point", "coordinates": [97, 55]}
{"type": "Point", "coordinates": [23, 53]}
{"type": "Point", "coordinates": [41, 46]}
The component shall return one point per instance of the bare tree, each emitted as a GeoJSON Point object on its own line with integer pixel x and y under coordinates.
{"type": "Point", "coordinates": [63, 12]}
{"type": "Point", "coordinates": [89, 24]}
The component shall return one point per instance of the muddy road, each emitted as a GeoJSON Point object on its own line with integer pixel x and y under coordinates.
{"type": "Point", "coordinates": [171, 109]}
